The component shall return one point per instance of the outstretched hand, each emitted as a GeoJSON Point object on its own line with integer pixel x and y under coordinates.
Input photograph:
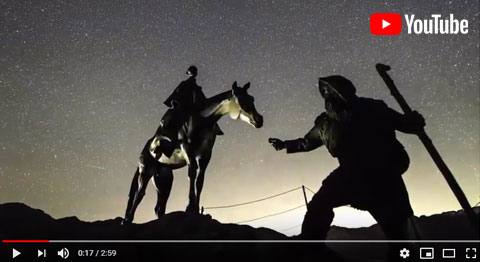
{"type": "Point", "coordinates": [277, 143]}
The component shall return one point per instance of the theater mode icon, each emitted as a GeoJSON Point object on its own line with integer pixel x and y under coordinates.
{"type": "Point", "coordinates": [385, 24]}
{"type": "Point", "coordinates": [448, 253]}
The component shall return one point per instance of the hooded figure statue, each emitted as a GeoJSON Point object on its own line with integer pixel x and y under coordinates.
{"type": "Point", "coordinates": [360, 133]}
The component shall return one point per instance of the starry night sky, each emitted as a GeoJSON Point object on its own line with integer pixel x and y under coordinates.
{"type": "Point", "coordinates": [82, 85]}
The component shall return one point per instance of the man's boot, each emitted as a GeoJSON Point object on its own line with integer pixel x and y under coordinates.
{"type": "Point", "coordinates": [168, 129]}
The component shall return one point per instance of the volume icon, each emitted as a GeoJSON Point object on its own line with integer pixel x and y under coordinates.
{"type": "Point", "coordinates": [63, 253]}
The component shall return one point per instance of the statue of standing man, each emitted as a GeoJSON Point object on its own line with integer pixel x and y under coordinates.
{"type": "Point", "coordinates": [360, 133]}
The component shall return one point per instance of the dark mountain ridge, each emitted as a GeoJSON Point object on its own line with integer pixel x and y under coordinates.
{"type": "Point", "coordinates": [19, 221]}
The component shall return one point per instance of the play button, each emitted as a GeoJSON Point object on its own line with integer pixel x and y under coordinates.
{"type": "Point", "coordinates": [15, 253]}
{"type": "Point", "coordinates": [385, 24]}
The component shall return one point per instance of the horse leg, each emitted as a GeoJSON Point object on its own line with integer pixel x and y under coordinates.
{"type": "Point", "coordinates": [131, 196]}
{"type": "Point", "coordinates": [163, 181]}
{"type": "Point", "coordinates": [202, 163]}
{"type": "Point", "coordinates": [137, 190]}
{"type": "Point", "coordinates": [192, 196]}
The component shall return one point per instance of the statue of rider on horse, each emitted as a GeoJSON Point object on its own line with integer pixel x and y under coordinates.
{"type": "Point", "coordinates": [186, 137]}
{"type": "Point", "coordinates": [182, 103]}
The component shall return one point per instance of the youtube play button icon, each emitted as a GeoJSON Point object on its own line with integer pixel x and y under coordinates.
{"type": "Point", "coordinates": [385, 24]}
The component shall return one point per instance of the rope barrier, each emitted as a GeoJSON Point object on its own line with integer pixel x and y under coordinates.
{"type": "Point", "coordinates": [271, 215]}
{"type": "Point", "coordinates": [254, 201]}
{"type": "Point", "coordinates": [310, 190]}
{"type": "Point", "coordinates": [263, 199]}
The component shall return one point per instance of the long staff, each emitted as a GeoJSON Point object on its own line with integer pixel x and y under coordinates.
{"type": "Point", "coordinates": [427, 142]}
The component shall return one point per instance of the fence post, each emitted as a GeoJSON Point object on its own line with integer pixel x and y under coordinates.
{"type": "Point", "coordinates": [305, 196]}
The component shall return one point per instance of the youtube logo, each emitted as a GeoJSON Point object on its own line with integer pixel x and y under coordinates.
{"type": "Point", "coordinates": [385, 24]}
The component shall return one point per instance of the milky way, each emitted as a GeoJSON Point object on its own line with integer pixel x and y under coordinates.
{"type": "Point", "coordinates": [82, 85]}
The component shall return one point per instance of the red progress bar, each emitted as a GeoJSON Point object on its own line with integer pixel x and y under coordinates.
{"type": "Point", "coordinates": [25, 241]}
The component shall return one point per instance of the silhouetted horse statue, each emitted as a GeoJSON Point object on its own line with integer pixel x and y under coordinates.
{"type": "Point", "coordinates": [195, 150]}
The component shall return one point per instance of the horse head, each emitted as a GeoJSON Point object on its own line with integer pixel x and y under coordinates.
{"type": "Point", "coordinates": [243, 106]}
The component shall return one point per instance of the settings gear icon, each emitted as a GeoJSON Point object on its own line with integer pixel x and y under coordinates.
{"type": "Point", "coordinates": [404, 253]}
